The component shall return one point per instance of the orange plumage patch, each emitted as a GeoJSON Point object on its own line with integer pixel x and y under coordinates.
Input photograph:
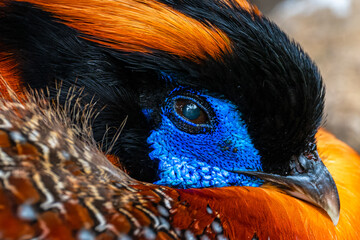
{"type": "Point", "coordinates": [9, 74]}
{"type": "Point", "coordinates": [116, 162]}
{"type": "Point", "coordinates": [244, 4]}
{"type": "Point", "coordinates": [141, 26]}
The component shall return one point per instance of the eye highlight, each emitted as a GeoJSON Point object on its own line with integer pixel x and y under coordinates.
{"type": "Point", "coordinates": [191, 111]}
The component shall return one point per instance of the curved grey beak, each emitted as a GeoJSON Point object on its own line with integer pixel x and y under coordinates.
{"type": "Point", "coordinates": [308, 180]}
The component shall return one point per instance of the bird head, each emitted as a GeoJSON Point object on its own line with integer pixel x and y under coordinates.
{"type": "Point", "coordinates": [243, 117]}
{"type": "Point", "coordinates": [246, 116]}
{"type": "Point", "coordinates": [214, 93]}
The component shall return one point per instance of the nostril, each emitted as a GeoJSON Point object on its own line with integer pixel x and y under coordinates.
{"type": "Point", "coordinates": [312, 155]}
{"type": "Point", "coordinates": [297, 164]}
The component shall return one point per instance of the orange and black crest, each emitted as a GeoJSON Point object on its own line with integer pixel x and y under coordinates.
{"type": "Point", "coordinates": [144, 26]}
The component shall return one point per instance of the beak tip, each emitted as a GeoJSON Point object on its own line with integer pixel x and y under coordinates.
{"type": "Point", "coordinates": [334, 212]}
{"type": "Point", "coordinates": [335, 219]}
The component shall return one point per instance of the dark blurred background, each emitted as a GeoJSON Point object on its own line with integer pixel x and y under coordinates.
{"type": "Point", "coordinates": [329, 31]}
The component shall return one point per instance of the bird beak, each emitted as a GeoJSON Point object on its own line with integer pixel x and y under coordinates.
{"type": "Point", "coordinates": [308, 180]}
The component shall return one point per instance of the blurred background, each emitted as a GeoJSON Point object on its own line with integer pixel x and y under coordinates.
{"type": "Point", "coordinates": [329, 31]}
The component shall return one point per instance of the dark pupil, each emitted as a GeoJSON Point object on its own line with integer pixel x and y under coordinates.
{"type": "Point", "coordinates": [191, 111]}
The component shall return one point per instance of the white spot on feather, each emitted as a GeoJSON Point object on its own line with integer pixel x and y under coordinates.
{"type": "Point", "coordinates": [5, 123]}
{"type": "Point", "coordinates": [5, 159]}
{"type": "Point", "coordinates": [26, 212]}
{"type": "Point", "coordinates": [85, 234]}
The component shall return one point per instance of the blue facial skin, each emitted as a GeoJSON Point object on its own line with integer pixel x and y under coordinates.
{"type": "Point", "coordinates": [201, 159]}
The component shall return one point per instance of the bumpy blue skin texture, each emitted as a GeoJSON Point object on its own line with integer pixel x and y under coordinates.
{"type": "Point", "coordinates": [188, 160]}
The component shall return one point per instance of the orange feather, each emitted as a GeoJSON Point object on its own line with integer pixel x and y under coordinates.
{"type": "Point", "coordinates": [9, 73]}
{"type": "Point", "coordinates": [244, 4]}
{"type": "Point", "coordinates": [140, 27]}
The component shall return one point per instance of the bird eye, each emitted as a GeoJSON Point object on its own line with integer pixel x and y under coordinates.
{"type": "Point", "coordinates": [191, 111]}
